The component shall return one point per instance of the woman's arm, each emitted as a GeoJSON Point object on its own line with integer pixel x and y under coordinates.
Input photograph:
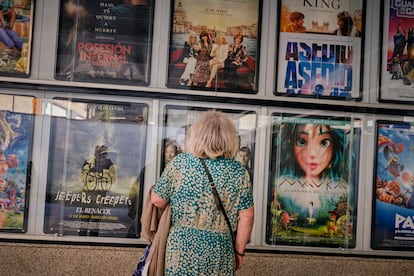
{"type": "Point", "coordinates": [158, 201]}
{"type": "Point", "coordinates": [244, 229]}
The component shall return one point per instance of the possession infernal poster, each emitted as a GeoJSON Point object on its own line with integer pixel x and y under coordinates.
{"type": "Point", "coordinates": [96, 168]}
{"type": "Point", "coordinates": [320, 50]}
{"type": "Point", "coordinates": [312, 192]}
{"type": "Point", "coordinates": [105, 41]}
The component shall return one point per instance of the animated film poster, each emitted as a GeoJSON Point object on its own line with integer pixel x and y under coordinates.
{"type": "Point", "coordinates": [105, 41]}
{"type": "Point", "coordinates": [214, 45]}
{"type": "Point", "coordinates": [312, 197]}
{"type": "Point", "coordinates": [393, 204]}
{"type": "Point", "coordinates": [16, 134]}
{"type": "Point", "coordinates": [177, 120]}
{"type": "Point", "coordinates": [397, 58]}
{"type": "Point", "coordinates": [320, 48]}
{"type": "Point", "coordinates": [95, 172]}
{"type": "Point", "coordinates": [16, 26]}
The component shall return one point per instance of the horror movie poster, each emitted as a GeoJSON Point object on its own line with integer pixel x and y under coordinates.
{"type": "Point", "coordinates": [95, 171]}
{"type": "Point", "coordinates": [105, 41]}
{"type": "Point", "coordinates": [397, 56]}
{"type": "Point", "coordinates": [177, 119]}
{"type": "Point", "coordinates": [16, 135]}
{"type": "Point", "coordinates": [312, 196]}
{"type": "Point", "coordinates": [214, 45]}
{"type": "Point", "coordinates": [16, 33]}
{"type": "Point", "coordinates": [393, 199]}
{"type": "Point", "coordinates": [320, 48]}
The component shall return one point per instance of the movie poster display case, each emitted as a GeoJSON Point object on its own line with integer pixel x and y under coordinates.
{"type": "Point", "coordinates": [95, 129]}
{"type": "Point", "coordinates": [16, 34]}
{"type": "Point", "coordinates": [16, 136]}
{"type": "Point", "coordinates": [105, 41]}
{"type": "Point", "coordinates": [95, 168]}
{"type": "Point", "coordinates": [214, 45]}
{"type": "Point", "coordinates": [320, 49]}
{"type": "Point", "coordinates": [178, 118]}
{"type": "Point", "coordinates": [313, 180]}
{"type": "Point", "coordinates": [397, 54]}
{"type": "Point", "coordinates": [393, 186]}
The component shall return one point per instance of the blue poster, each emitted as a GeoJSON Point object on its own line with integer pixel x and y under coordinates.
{"type": "Point", "coordinates": [393, 218]}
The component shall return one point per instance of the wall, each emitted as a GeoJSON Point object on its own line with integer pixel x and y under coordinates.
{"type": "Point", "coordinates": [42, 260]}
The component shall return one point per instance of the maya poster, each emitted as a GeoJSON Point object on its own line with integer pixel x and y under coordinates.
{"type": "Point", "coordinates": [16, 135]}
{"type": "Point", "coordinates": [16, 37]}
{"type": "Point", "coordinates": [214, 45]}
{"type": "Point", "coordinates": [177, 119]}
{"type": "Point", "coordinates": [397, 56]}
{"type": "Point", "coordinates": [105, 41]}
{"type": "Point", "coordinates": [320, 48]}
{"type": "Point", "coordinates": [95, 171]}
{"type": "Point", "coordinates": [312, 196]}
{"type": "Point", "coordinates": [393, 200]}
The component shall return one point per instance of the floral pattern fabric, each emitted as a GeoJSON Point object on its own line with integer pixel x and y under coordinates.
{"type": "Point", "coordinates": [199, 241]}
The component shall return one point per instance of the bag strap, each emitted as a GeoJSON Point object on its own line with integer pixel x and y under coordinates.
{"type": "Point", "coordinates": [218, 201]}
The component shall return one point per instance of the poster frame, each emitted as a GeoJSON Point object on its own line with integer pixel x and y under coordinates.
{"type": "Point", "coordinates": [20, 58]}
{"type": "Point", "coordinates": [381, 234]}
{"type": "Point", "coordinates": [318, 90]}
{"type": "Point", "coordinates": [249, 70]}
{"type": "Point", "coordinates": [68, 66]}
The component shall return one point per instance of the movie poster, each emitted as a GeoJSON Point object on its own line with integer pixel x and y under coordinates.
{"type": "Point", "coordinates": [177, 119]}
{"type": "Point", "coordinates": [320, 48]}
{"type": "Point", "coordinates": [16, 134]}
{"type": "Point", "coordinates": [393, 200]}
{"type": "Point", "coordinates": [214, 45]}
{"type": "Point", "coordinates": [95, 171]}
{"type": "Point", "coordinates": [312, 197]}
{"type": "Point", "coordinates": [397, 56]}
{"type": "Point", "coordinates": [105, 41]}
{"type": "Point", "coordinates": [16, 26]}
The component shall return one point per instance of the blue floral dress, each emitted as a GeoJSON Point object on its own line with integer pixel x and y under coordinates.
{"type": "Point", "coordinates": [199, 241]}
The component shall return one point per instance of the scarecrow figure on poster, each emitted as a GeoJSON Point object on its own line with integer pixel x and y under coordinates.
{"type": "Point", "coordinates": [98, 172]}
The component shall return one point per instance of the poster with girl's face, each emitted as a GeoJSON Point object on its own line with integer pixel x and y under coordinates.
{"type": "Point", "coordinates": [393, 187]}
{"type": "Point", "coordinates": [313, 180]}
{"type": "Point", "coordinates": [95, 168]}
{"type": "Point", "coordinates": [177, 120]}
{"type": "Point", "coordinates": [397, 55]}
{"type": "Point", "coordinates": [214, 45]}
{"type": "Point", "coordinates": [16, 135]}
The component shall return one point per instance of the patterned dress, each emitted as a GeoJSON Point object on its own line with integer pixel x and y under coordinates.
{"type": "Point", "coordinates": [199, 241]}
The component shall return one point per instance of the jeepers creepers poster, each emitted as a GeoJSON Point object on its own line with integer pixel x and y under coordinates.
{"type": "Point", "coordinates": [16, 28]}
{"type": "Point", "coordinates": [95, 171]}
{"type": "Point", "coordinates": [320, 48]}
{"type": "Point", "coordinates": [214, 45]}
{"type": "Point", "coordinates": [16, 135]}
{"type": "Point", "coordinates": [177, 120]}
{"type": "Point", "coordinates": [105, 41]}
{"type": "Point", "coordinates": [312, 196]}
{"type": "Point", "coordinates": [393, 198]}
{"type": "Point", "coordinates": [397, 56]}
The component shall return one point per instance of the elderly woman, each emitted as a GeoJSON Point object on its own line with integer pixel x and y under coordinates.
{"type": "Point", "coordinates": [199, 241]}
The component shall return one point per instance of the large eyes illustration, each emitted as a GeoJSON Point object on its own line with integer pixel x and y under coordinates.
{"type": "Point", "coordinates": [301, 142]}
{"type": "Point", "coordinates": [325, 143]}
